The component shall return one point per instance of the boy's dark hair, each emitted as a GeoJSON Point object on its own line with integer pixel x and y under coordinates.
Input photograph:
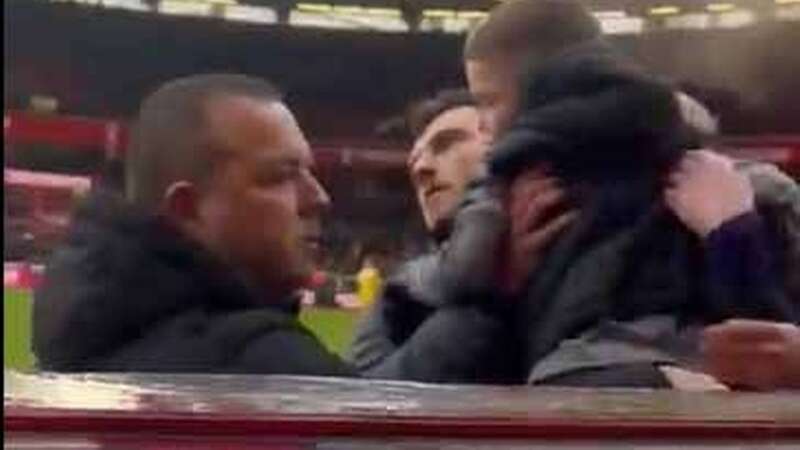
{"type": "Point", "coordinates": [420, 114]}
{"type": "Point", "coordinates": [531, 28]}
{"type": "Point", "coordinates": [170, 141]}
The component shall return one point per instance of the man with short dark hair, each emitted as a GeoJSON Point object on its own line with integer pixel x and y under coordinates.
{"type": "Point", "coordinates": [197, 269]}
{"type": "Point", "coordinates": [448, 153]}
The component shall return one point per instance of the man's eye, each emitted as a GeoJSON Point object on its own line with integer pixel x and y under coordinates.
{"type": "Point", "coordinates": [442, 148]}
{"type": "Point", "coordinates": [279, 176]}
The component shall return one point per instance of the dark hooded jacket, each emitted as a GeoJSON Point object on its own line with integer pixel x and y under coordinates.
{"type": "Point", "coordinates": [611, 131]}
{"type": "Point", "coordinates": [127, 292]}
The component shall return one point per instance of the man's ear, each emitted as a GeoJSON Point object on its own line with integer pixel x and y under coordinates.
{"type": "Point", "coordinates": [181, 203]}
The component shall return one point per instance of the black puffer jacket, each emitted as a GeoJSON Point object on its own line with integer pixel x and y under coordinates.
{"type": "Point", "coordinates": [129, 293]}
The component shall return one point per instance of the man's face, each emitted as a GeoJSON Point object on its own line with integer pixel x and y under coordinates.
{"type": "Point", "coordinates": [444, 159]}
{"type": "Point", "coordinates": [493, 84]}
{"type": "Point", "coordinates": [262, 209]}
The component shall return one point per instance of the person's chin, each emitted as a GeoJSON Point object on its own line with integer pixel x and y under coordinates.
{"type": "Point", "coordinates": [433, 216]}
{"type": "Point", "coordinates": [300, 276]}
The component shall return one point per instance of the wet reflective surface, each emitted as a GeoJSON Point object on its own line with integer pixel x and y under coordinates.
{"type": "Point", "coordinates": [223, 411]}
{"type": "Point", "coordinates": [246, 394]}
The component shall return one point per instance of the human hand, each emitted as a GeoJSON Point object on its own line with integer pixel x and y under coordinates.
{"type": "Point", "coordinates": [752, 353]}
{"type": "Point", "coordinates": [706, 191]}
{"type": "Point", "coordinates": [531, 200]}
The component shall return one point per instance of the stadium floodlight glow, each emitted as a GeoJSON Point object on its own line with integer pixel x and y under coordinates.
{"type": "Point", "coordinates": [664, 10]}
{"type": "Point", "coordinates": [184, 8]}
{"type": "Point", "coordinates": [610, 14]}
{"type": "Point", "coordinates": [251, 14]}
{"type": "Point", "coordinates": [472, 14]}
{"type": "Point", "coordinates": [386, 12]}
{"type": "Point", "coordinates": [353, 10]}
{"type": "Point", "coordinates": [439, 13]}
{"type": "Point", "coordinates": [720, 7]}
{"type": "Point", "coordinates": [625, 25]}
{"type": "Point", "coordinates": [132, 5]}
{"type": "Point", "coordinates": [314, 7]}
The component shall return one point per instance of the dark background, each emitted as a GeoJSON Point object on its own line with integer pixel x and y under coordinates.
{"type": "Point", "coordinates": [101, 62]}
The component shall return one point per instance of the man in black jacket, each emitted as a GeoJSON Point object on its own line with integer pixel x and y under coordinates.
{"type": "Point", "coordinates": [197, 268]}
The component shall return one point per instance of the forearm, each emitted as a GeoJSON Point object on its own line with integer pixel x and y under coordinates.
{"type": "Point", "coordinates": [387, 325]}
{"type": "Point", "coordinates": [458, 344]}
{"type": "Point", "coordinates": [371, 342]}
{"type": "Point", "coordinates": [466, 267]}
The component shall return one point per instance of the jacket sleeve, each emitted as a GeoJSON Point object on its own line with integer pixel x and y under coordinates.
{"type": "Point", "coordinates": [404, 339]}
{"type": "Point", "coordinates": [404, 305]}
{"type": "Point", "coordinates": [410, 335]}
{"type": "Point", "coordinates": [460, 271]}
{"type": "Point", "coordinates": [467, 262]}
{"type": "Point", "coordinates": [742, 271]}
{"type": "Point", "coordinates": [456, 344]}
{"type": "Point", "coordinates": [290, 352]}
{"type": "Point", "coordinates": [778, 202]}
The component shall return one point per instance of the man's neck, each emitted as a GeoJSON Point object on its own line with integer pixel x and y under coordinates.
{"type": "Point", "coordinates": [283, 296]}
{"type": "Point", "coordinates": [441, 230]}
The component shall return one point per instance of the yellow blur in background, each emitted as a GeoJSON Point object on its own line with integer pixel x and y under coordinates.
{"type": "Point", "coordinates": [368, 284]}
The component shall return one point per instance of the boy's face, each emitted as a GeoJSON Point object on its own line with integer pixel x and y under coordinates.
{"type": "Point", "coordinates": [493, 83]}
{"type": "Point", "coordinates": [445, 158]}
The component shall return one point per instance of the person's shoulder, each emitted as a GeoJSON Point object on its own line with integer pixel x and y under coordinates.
{"type": "Point", "coordinates": [763, 169]}
{"type": "Point", "coordinates": [411, 280]}
{"type": "Point", "coordinates": [248, 324]}
{"type": "Point", "coordinates": [269, 342]}
{"type": "Point", "coordinates": [771, 185]}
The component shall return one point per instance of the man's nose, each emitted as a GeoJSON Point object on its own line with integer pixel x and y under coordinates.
{"type": "Point", "coordinates": [422, 167]}
{"type": "Point", "coordinates": [315, 198]}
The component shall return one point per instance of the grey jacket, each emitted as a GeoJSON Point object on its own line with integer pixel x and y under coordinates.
{"type": "Point", "coordinates": [458, 274]}
{"type": "Point", "coordinates": [448, 294]}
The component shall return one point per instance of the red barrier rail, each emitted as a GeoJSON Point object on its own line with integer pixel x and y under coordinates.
{"type": "Point", "coordinates": [311, 409]}
{"type": "Point", "coordinates": [110, 136]}
{"type": "Point", "coordinates": [75, 133]}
